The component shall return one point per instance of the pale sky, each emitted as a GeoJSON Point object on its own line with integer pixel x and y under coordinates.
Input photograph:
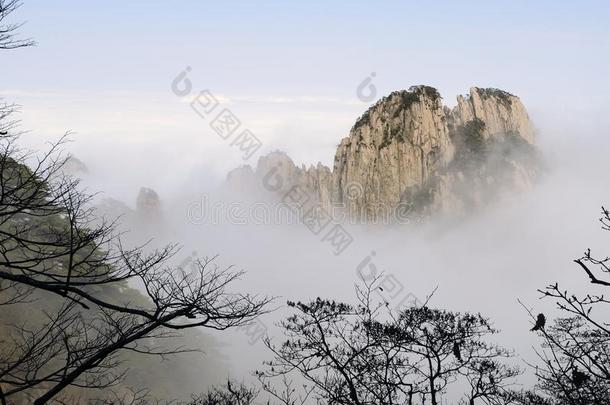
{"type": "Point", "coordinates": [289, 71]}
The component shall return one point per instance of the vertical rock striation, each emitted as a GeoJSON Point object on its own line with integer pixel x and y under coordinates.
{"type": "Point", "coordinates": [409, 150]}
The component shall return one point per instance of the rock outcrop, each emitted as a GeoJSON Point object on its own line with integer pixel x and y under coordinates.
{"type": "Point", "coordinates": [395, 146]}
{"type": "Point", "coordinates": [73, 166]}
{"type": "Point", "coordinates": [146, 220]}
{"type": "Point", "coordinates": [501, 112]}
{"type": "Point", "coordinates": [148, 203]}
{"type": "Point", "coordinates": [277, 174]}
{"type": "Point", "coordinates": [410, 152]}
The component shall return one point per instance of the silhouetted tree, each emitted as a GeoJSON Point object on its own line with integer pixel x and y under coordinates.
{"type": "Point", "coordinates": [8, 31]}
{"type": "Point", "coordinates": [56, 255]}
{"type": "Point", "coordinates": [71, 271]}
{"type": "Point", "coordinates": [232, 393]}
{"type": "Point", "coordinates": [367, 354]}
{"type": "Point", "coordinates": [575, 353]}
{"type": "Point", "coordinates": [50, 243]}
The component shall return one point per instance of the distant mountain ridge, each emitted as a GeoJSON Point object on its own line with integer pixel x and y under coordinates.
{"type": "Point", "coordinates": [408, 150]}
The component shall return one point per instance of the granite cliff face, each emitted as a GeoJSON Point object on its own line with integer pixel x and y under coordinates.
{"type": "Point", "coordinates": [397, 144]}
{"type": "Point", "coordinates": [501, 112]}
{"type": "Point", "coordinates": [410, 152]}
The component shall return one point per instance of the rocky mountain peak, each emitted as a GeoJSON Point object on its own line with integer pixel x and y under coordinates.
{"type": "Point", "coordinates": [501, 112]}
{"type": "Point", "coordinates": [399, 101]}
{"type": "Point", "coordinates": [408, 149]}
